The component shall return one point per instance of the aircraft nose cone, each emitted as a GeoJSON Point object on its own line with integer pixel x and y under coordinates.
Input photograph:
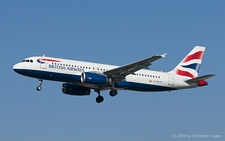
{"type": "Point", "coordinates": [16, 68]}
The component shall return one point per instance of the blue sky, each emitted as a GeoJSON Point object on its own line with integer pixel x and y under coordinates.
{"type": "Point", "coordinates": [113, 32]}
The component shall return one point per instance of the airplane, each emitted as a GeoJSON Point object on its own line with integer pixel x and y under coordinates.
{"type": "Point", "coordinates": [81, 77]}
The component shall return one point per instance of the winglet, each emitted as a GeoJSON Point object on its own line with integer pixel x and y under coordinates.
{"type": "Point", "coordinates": [163, 56]}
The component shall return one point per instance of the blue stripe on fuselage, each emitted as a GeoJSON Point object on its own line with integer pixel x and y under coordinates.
{"type": "Point", "coordinates": [143, 87]}
{"type": "Point", "coordinates": [49, 75]}
{"type": "Point", "coordinates": [76, 78]}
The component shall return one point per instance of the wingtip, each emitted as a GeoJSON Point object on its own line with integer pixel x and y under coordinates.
{"type": "Point", "coordinates": [163, 56]}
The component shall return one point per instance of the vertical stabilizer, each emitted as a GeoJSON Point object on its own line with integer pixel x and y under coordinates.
{"type": "Point", "coordinates": [190, 65]}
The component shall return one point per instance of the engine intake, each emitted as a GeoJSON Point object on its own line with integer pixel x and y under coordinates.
{"type": "Point", "coordinates": [72, 89]}
{"type": "Point", "coordinates": [94, 78]}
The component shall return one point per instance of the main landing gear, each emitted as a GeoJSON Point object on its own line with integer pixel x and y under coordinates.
{"type": "Point", "coordinates": [39, 86]}
{"type": "Point", "coordinates": [113, 93]}
{"type": "Point", "coordinates": [99, 99]}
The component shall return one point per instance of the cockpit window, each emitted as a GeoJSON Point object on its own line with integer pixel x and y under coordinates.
{"type": "Point", "coordinates": [31, 61]}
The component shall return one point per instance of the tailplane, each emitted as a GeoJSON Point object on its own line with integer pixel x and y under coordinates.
{"type": "Point", "coordinates": [190, 65]}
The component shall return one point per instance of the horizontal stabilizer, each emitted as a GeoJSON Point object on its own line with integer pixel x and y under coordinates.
{"type": "Point", "coordinates": [197, 79]}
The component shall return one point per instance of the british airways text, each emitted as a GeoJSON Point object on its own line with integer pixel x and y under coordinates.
{"type": "Point", "coordinates": [60, 67]}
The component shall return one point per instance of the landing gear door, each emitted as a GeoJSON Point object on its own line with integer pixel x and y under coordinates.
{"type": "Point", "coordinates": [171, 79]}
{"type": "Point", "coordinates": [43, 63]}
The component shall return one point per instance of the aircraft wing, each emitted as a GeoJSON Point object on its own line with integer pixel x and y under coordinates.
{"type": "Point", "coordinates": [121, 72]}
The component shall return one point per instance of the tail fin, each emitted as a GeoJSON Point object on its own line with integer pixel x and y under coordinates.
{"type": "Point", "coordinates": [190, 65]}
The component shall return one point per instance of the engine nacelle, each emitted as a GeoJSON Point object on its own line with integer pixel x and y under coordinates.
{"type": "Point", "coordinates": [72, 89]}
{"type": "Point", "coordinates": [94, 78]}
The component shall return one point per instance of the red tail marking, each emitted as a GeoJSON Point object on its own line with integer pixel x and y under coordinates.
{"type": "Point", "coordinates": [185, 73]}
{"type": "Point", "coordinates": [197, 55]}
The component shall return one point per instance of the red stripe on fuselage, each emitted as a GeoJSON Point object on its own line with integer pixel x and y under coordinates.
{"type": "Point", "coordinates": [44, 59]}
{"type": "Point", "coordinates": [197, 55]}
{"type": "Point", "coordinates": [185, 73]}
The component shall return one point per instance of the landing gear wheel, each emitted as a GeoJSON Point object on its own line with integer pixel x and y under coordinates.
{"type": "Point", "coordinates": [99, 99]}
{"type": "Point", "coordinates": [113, 93]}
{"type": "Point", "coordinates": [40, 83]}
{"type": "Point", "coordinates": [39, 88]}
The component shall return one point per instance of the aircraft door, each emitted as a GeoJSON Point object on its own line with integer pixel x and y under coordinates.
{"type": "Point", "coordinates": [43, 64]}
{"type": "Point", "coordinates": [171, 79]}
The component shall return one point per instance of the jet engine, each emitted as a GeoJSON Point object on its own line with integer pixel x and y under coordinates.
{"type": "Point", "coordinates": [72, 89]}
{"type": "Point", "coordinates": [95, 78]}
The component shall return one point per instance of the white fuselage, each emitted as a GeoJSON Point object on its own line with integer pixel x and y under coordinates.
{"type": "Point", "coordinates": [65, 70]}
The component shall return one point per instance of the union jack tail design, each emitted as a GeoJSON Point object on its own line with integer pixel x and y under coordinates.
{"type": "Point", "coordinates": [190, 65]}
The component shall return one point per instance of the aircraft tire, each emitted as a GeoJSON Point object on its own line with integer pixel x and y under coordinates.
{"type": "Point", "coordinates": [113, 93]}
{"type": "Point", "coordinates": [39, 88]}
{"type": "Point", "coordinates": [99, 99]}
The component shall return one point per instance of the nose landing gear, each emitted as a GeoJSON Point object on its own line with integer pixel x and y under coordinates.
{"type": "Point", "coordinates": [40, 83]}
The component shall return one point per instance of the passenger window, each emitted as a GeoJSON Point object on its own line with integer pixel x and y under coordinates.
{"type": "Point", "coordinates": [31, 61]}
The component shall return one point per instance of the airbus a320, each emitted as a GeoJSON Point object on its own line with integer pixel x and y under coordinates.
{"type": "Point", "coordinates": [81, 77]}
